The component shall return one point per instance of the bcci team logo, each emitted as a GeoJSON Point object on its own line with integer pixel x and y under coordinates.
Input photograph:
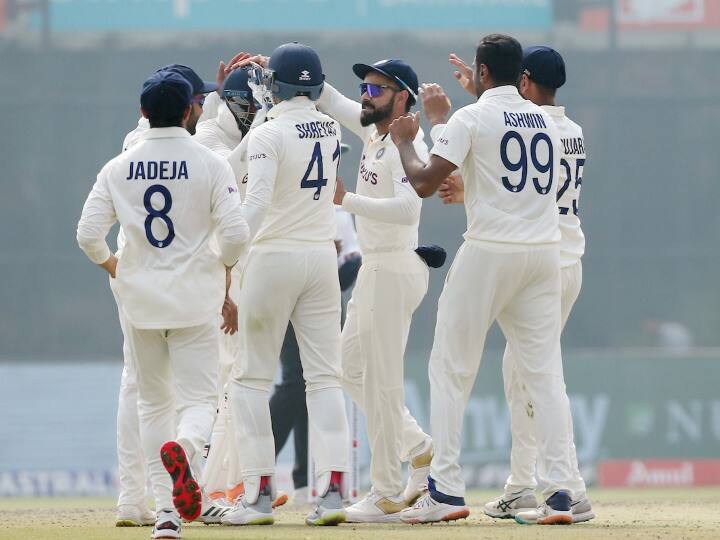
{"type": "Point", "coordinates": [304, 76]}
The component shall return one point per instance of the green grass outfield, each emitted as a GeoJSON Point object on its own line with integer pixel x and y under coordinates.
{"type": "Point", "coordinates": [655, 514]}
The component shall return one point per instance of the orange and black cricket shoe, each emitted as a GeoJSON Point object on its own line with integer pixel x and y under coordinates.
{"type": "Point", "coordinates": [187, 496]}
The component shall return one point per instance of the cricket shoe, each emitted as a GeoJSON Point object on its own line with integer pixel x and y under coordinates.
{"type": "Point", "coordinates": [235, 493]}
{"type": "Point", "coordinates": [258, 513]}
{"type": "Point", "coordinates": [582, 511]}
{"type": "Point", "coordinates": [213, 510]}
{"type": "Point", "coordinates": [131, 515]}
{"type": "Point", "coordinates": [329, 510]}
{"type": "Point", "coordinates": [556, 510]}
{"type": "Point", "coordinates": [375, 508]}
{"type": "Point", "coordinates": [434, 506]}
{"type": "Point", "coordinates": [510, 504]}
{"type": "Point", "coordinates": [167, 525]}
{"type": "Point", "coordinates": [187, 496]}
{"type": "Point", "coordinates": [419, 469]}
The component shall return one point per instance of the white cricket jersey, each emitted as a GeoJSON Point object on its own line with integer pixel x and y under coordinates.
{"type": "Point", "coordinates": [386, 207]}
{"type": "Point", "coordinates": [136, 134]}
{"type": "Point", "coordinates": [292, 169]}
{"type": "Point", "coordinates": [572, 161]}
{"type": "Point", "coordinates": [169, 194]}
{"type": "Point", "coordinates": [508, 152]}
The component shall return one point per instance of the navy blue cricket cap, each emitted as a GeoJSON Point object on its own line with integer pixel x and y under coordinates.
{"type": "Point", "coordinates": [165, 94]}
{"type": "Point", "coordinates": [544, 65]}
{"type": "Point", "coordinates": [396, 70]}
{"type": "Point", "coordinates": [198, 85]}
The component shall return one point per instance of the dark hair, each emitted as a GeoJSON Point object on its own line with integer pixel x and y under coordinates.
{"type": "Point", "coordinates": [503, 57]}
{"type": "Point", "coordinates": [408, 102]}
{"type": "Point", "coordinates": [163, 120]}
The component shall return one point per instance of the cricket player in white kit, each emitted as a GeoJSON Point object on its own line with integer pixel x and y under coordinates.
{"type": "Point", "coordinates": [391, 284]}
{"type": "Point", "coordinates": [291, 275]}
{"type": "Point", "coordinates": [169, 195]}
{"type": "Point", "coordinates": [132, 507]}
{"type": "Point", "coordinates": [543, 74]}
{"type": "Point", "coordinates": [508, 269]}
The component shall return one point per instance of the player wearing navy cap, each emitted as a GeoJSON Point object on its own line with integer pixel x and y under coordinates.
{"type": "Point", "coordinates": [508, 269]}
{"type": "Point", "coordinates": [131, 507]}
{"type": "Point", "coordinates": [391, 284]}
{"type": "Point", "coordinates": [170, 195]}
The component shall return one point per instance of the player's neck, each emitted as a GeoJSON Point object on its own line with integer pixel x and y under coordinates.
{"type": "Point", "coordinates": [383, 127]}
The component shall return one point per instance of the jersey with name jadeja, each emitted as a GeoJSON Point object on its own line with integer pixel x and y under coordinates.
{"type": "Point", "coordinates": [292, 168]}
{"type": "Point", "coordinates": [508, 152]}
{"type": "Point", "coordinates": [169, 193]}
{"type": "Point", "coordinates": [572, 162]}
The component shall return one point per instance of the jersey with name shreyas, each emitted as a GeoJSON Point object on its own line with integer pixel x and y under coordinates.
{"type": "Point", "coordinates": [169, 192]}
{"type": "Point", "coordinates": [572, 163]}
{"type": "Point", "coordinates": [508, 152]}
{"type": "Point", "coordinates": [292, 170]}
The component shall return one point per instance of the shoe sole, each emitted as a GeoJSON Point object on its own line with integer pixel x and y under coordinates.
{"type": "Point", "coordinates": [452, 516]}
{"type": "Point", "coordinates": [583, 517]}
{"type": "Point", "coordinates": [387, 518]}
{"type": "Point", "coordinates": [187, 497]}
{"type": "Point", "coordinates": [280, 501]}
{"type": "Point", "coordinates": [127, 523]}
{"type": "Point", "coordinates": [506, 515]}
{"type": "Point", "coordinates": [328, 520]}
{"type": "Point", "coordinates": [258, 521]}
{"type": "Point", "coordinates": [557, 519]}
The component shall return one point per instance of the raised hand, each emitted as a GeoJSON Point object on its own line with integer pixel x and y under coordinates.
{"type": "Point", "coordinates": [405, 128]}
{"type": "Point", "coordinates": [225, 69]}
{"type": "Point", "coordinates": [435, 103]}
{"type": "Point", "coordinates": [465, 75]}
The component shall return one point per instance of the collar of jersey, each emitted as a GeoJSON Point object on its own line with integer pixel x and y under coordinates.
{"type": "Point", "coordinates": [165, 133]}
{"type": "Point", "coordinates": [555, 111]}
{"type": "Point", "coordinates": [296, 103]}
{"type": "Point", "coordinates": [507, 90]}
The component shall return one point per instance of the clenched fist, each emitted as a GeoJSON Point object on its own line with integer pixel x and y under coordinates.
{"type": "Point", "coordinates": [435, 103]}
{"type": "Point", "coordinates": [405, 128]}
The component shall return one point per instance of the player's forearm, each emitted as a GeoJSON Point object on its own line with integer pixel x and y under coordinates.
{"type": "Point", "coordinates": [231, 240]}
{"type": "Point", "coordinates": [395, 210]}
{"type": "Point", "coordinates": [95, 248]}
{"type": "Point", "coordinates": [254, 212]}
{"type": "Point", "coordinates": [341, 108]}
{"type": "Point", "coordinates": [420, 177]}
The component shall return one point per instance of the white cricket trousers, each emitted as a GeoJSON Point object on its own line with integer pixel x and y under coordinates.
{"type": "Point", "coordinates": [519, 286]}
{"type": "Point", "coordinates": [300, 285]}
{"type": "Point", "coordinates": [177, 394]}
{"type": "Point", "coordinates": [389, 288]}
{"type": "Point", "coordinates": [220, 470]}
{"type": "Point", "coordinates": [524, 452]}
{"type": "Point", "coordinates": [131, 461]}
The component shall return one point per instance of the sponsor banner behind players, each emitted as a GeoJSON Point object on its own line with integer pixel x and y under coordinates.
{"type": "Point", "coordinates": [299, 15]}
{"type": "Point", "coordinates": [659, 473]}
{"type": "Point", "coordinates": [621, 411]}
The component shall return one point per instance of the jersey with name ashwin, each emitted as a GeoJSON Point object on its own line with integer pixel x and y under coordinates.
{"type": "Point", "coordinates": [169, 194]}
{"type": "Point", "coordinates": [292, 170]}
{"type": "Point", "coordinates": [572, 162]}
{"type": "Point", "coordinates": [386, 207]}
{"type": "Point", "coordinates": [508, 152]}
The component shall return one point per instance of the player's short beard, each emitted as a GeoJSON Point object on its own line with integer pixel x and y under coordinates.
{"type": "Point", "coordinates": [375, 115]}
